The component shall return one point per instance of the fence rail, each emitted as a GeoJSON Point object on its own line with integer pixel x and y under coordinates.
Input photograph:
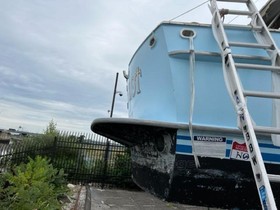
{"type": "Point", "coordinates": [85, 158]}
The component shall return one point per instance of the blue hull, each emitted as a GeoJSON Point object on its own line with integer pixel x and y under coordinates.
{"type": "Point", "coordinates": [159, 84]}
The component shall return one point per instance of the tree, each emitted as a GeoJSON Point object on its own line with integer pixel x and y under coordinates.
{"type": "Point", "coordinates": [51, 129]}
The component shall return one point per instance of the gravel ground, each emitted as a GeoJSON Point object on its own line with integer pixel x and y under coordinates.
{"type": "Point", "coordinates": [76, 201]}
{"type": "Point", "coordinates": [92, 198]}
{"type": "Point", "coordinates": [115, 199]}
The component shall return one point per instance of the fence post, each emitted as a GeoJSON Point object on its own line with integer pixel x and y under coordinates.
{"type": "Point", "coordinates": [80, 160]}
{"type": "Point", "coordinates": [106, 157]}
{"type": "Point", "coordinates": [54, 149]}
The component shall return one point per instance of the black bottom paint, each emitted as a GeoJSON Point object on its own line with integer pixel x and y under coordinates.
{"type": "Point", "coordinates": [218, 183]}
{"type": "Point", "coordinates": [151, 180]}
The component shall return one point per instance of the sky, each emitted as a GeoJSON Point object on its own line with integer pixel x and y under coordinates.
{"type": "Point", "coordinates": [59, 58]}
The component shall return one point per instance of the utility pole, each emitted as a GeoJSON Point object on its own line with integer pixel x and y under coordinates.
{"type": "Point", "coordinates": [107, 150]}
{"type": "Point", "coordinates": [114, 95]}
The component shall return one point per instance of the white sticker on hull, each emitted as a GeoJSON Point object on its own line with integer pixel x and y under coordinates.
{"type": "Point", "coordinates": [239, 151]}
{"type": "Point", "coordinates": [211, 146]}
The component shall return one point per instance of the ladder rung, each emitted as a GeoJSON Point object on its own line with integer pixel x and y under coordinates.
{"type": "Point", "coordinates": [235, 1]}
{"type": "Point", "coordinates": [257, 28]}
{"type": "Point", "coordinates": [252, 45]}
{"type": "Point", "coordinates": [267, 130]}
{"type": "Point", "coordinates": [257, 67]}
{"type": "Point", "coordinates": [261, 94]}
{"type": "Point", "coordinates": [273, 177]}
{"type": "Point", "coordinates": [235, 12]}
{"type": "Point", "coordinates": [243, 27]}
{"type": "Point", "coordinates": [251, 57]}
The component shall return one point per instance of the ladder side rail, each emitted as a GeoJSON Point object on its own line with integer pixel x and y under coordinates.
{"type": "Point", "coordinates": [259, 170]}
{"type": "Point", "coordinates": [236, 92]}
{"type": "Point", "coordinates": [266, 37]}
{"type": "Point", "coordinates": [256, 160]}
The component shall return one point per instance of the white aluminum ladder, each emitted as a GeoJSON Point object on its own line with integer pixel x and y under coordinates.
{"type": "Point", "coordinates": [235, 89]}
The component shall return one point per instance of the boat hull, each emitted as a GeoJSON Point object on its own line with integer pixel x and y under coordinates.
{"type": "Point", "coordinates": [182, 127]}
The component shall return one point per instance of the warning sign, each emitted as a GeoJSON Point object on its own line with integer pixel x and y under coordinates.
{"type": "Point", "coordinates": [239, 151]}
{"type": "Point", "coordinates": [211, 146]}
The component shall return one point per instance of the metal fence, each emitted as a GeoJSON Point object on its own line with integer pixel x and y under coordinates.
{"type": "Point", "coordinates": [85, 158]}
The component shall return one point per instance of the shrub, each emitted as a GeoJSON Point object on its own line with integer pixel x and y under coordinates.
{"type": "Point", "coordinates": [122, 164]}
{"type": "Point", "coordinates": [35, 185]}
